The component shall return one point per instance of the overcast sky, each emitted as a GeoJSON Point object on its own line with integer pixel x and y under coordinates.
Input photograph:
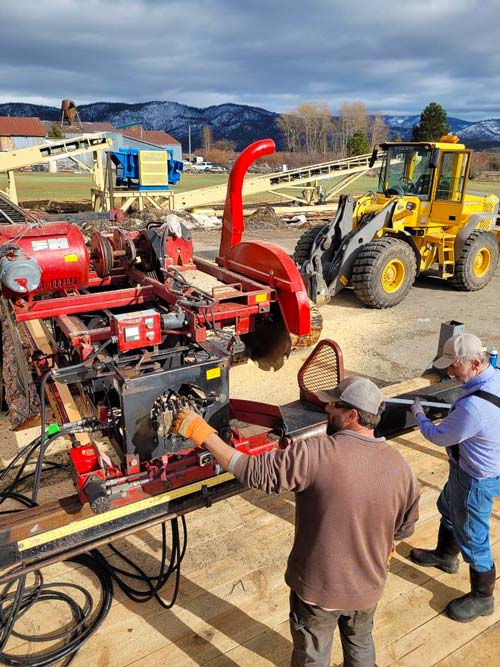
{"type": "Point", "coordinates": [395, 56]}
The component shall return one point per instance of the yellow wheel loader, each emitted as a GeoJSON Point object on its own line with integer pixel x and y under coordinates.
{"type": "Point", "coordinates": [420, 220]}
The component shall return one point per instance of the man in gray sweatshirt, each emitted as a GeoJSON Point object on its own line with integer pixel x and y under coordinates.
{"type": "Point", "coordinates": [355, 495]}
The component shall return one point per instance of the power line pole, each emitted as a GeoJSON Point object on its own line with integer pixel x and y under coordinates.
{"type": "Point", "coordinates": [189, 142]}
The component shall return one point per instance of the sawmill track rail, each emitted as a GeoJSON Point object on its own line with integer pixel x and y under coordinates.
{"type": "Point", "coordinates": [63, 529]}
{"type": "Point", "coordinates": [38, 536]}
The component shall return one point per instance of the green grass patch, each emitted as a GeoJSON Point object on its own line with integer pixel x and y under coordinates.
{"type": "Point", "coordinates": [76, 187]}
{"type": "Point", "coordinates": [194, 181]}
{"type": "Point", "coordinates": [40, 186]}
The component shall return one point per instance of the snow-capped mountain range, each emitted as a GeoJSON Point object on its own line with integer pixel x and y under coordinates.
{"type": "Point", "coordinates": [239, 123]}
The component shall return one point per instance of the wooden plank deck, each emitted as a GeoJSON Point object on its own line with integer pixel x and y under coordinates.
{"type": "Point", "coordinates": [232, 610]}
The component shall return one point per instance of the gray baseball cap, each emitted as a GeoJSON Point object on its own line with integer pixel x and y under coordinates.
{"type": "Point", "coordinates": [461, 345]}
{"type": "Point", "coordinates": [359, 392]}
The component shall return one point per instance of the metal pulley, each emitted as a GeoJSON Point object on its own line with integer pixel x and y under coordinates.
{"type": "Point", "coordinates": [105, 251]}
{"type": "Point", "coordinates": [124, 247]}
{"type": "Point", "coordinates": [146, 252]}
{"type": "Point", "coordinates": [102, 254]}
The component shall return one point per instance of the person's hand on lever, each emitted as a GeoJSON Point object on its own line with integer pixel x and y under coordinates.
{"type": "Point", "coordinates": [190, 425]}
{"type": "Point", "coordinates": [417, 408]}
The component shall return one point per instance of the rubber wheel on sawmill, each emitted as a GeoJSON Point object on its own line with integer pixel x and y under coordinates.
{"type": "Point", "coordinates": [383, 272]}
{"type": "Point", "coordinates": [304, 245]}
{"type": "Point", "coordinates": [476, 265]}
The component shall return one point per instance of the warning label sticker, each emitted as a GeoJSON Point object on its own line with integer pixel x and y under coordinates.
{"type": "Point", "coordinates": [60, 243]}
{"type": "Point", "coordinates": [39, 245]}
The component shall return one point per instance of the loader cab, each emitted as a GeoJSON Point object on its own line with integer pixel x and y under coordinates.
{"type": "Point", "coordinates": [447, 207]}
{"type": "Point", "coordinates": [433, 172]}
{"type": "Point", "coordinates": [407, 169]}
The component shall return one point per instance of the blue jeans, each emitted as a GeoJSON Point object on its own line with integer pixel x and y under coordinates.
{"type": "Point", "coordinates": [465, 504]}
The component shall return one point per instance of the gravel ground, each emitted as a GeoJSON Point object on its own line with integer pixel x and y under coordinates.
{"type": "Point", "coordinates": [387, 345]}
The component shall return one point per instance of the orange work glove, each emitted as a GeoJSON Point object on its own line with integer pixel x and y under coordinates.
{"type": "Point", "coordinates": [191, 425]}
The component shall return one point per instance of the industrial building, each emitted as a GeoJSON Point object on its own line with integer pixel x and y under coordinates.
{"type": "Point", "coordinates": [20, 133]}
{"type": "Point", "coordinates": [16, 133]}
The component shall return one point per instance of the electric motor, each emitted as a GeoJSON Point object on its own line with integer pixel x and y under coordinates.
{"type": "Point", "coordinates": [18, 273]}
{"type": "Point", "coordinates": [43, 259]}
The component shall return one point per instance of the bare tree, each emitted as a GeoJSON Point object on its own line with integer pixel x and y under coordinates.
{"type": "Point", "coordinates": [307, 113]}
{"type": "Point", "coordinates": [206, 136]}
{"type": "Point", "coordinates": [308, 128]}
{"type": "Point", "coordinates": [378, 132]}
{"type": "Point", "coordinates": [224, 145]}
{"type": "Point", "coordinates": [353, 118]}
{"type": "Point", "coordinates": [318, 127]}
{"type": "Point", "coordinates": [290, 126]}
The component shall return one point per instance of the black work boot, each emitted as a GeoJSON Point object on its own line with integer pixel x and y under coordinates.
{"type": "Point", "coordinates": [444, 556]}
{"type": "Point", "coordinates": [479, 602]}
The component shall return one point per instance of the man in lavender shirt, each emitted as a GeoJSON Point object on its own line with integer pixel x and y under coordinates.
{"type": "Point", "coordinates": [471, 434]}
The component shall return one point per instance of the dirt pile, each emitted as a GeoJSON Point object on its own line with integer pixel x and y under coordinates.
{"type": "Point", "coordinates": [264, 217]}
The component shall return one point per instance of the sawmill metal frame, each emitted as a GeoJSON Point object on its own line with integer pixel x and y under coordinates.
{"type": "Point", "coordinates": [62, 529]}
{"type": "Point", "coordinates": [307, 181]}
{"type": "Point", "coordinates": [55, 531]}
{"type": "Point", "coordinates": [105, 199]}
{"type": "Point", "coordinates": [57, 150]}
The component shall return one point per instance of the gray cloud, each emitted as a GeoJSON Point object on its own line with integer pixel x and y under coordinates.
{"type": "Point", "coordinates": [394, 56]}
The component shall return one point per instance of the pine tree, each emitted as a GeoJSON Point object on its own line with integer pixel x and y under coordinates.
{"type": "Point", "coordinates": [358, 144]}
{"type": "Point", "coordinates": [55, 131]}
{"type": "Point", "coordinates": [432, 124]}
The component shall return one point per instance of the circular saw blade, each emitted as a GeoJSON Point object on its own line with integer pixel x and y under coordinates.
{"type": "Point", "coordinates": [270, 344]}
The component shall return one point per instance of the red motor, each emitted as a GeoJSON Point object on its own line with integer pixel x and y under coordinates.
{"type": "Point", "coordinates": [43, 259]}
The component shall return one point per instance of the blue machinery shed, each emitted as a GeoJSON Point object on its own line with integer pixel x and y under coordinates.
{"type": "Point", "coordinates": [146, 169]}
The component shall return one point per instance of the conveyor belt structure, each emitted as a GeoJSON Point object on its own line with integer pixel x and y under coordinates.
{"type": "Point", "coordinates": [10, 213]}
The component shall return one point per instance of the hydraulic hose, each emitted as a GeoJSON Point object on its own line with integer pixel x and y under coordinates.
{"type": "Point", "coordinates": [152, 583]}
{"type": "Point", "coordinates": [14, 605]}
{"type": "Point", "coordinates": [26, 453]}
{"type": "Point", "coordinates": [17, 598]}
{"type": "Point", "coordinates": [52, 374]}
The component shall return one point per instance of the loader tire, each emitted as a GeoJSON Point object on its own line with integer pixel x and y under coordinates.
{"type": "Point", "coordinates": [383, 272]}
{"type": "Point", "coordinates": [476, 265]}
{"type": "Point", "coordinates": [304, 245]}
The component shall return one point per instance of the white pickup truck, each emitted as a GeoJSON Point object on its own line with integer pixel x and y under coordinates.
{"type": "Point", "coordinates": [201, 166]}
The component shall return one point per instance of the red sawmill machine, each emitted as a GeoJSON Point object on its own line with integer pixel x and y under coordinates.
{"type": "Point", "coordinates": [118, 333]}
{"type": "Point", "coordinates": [133, 322]}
